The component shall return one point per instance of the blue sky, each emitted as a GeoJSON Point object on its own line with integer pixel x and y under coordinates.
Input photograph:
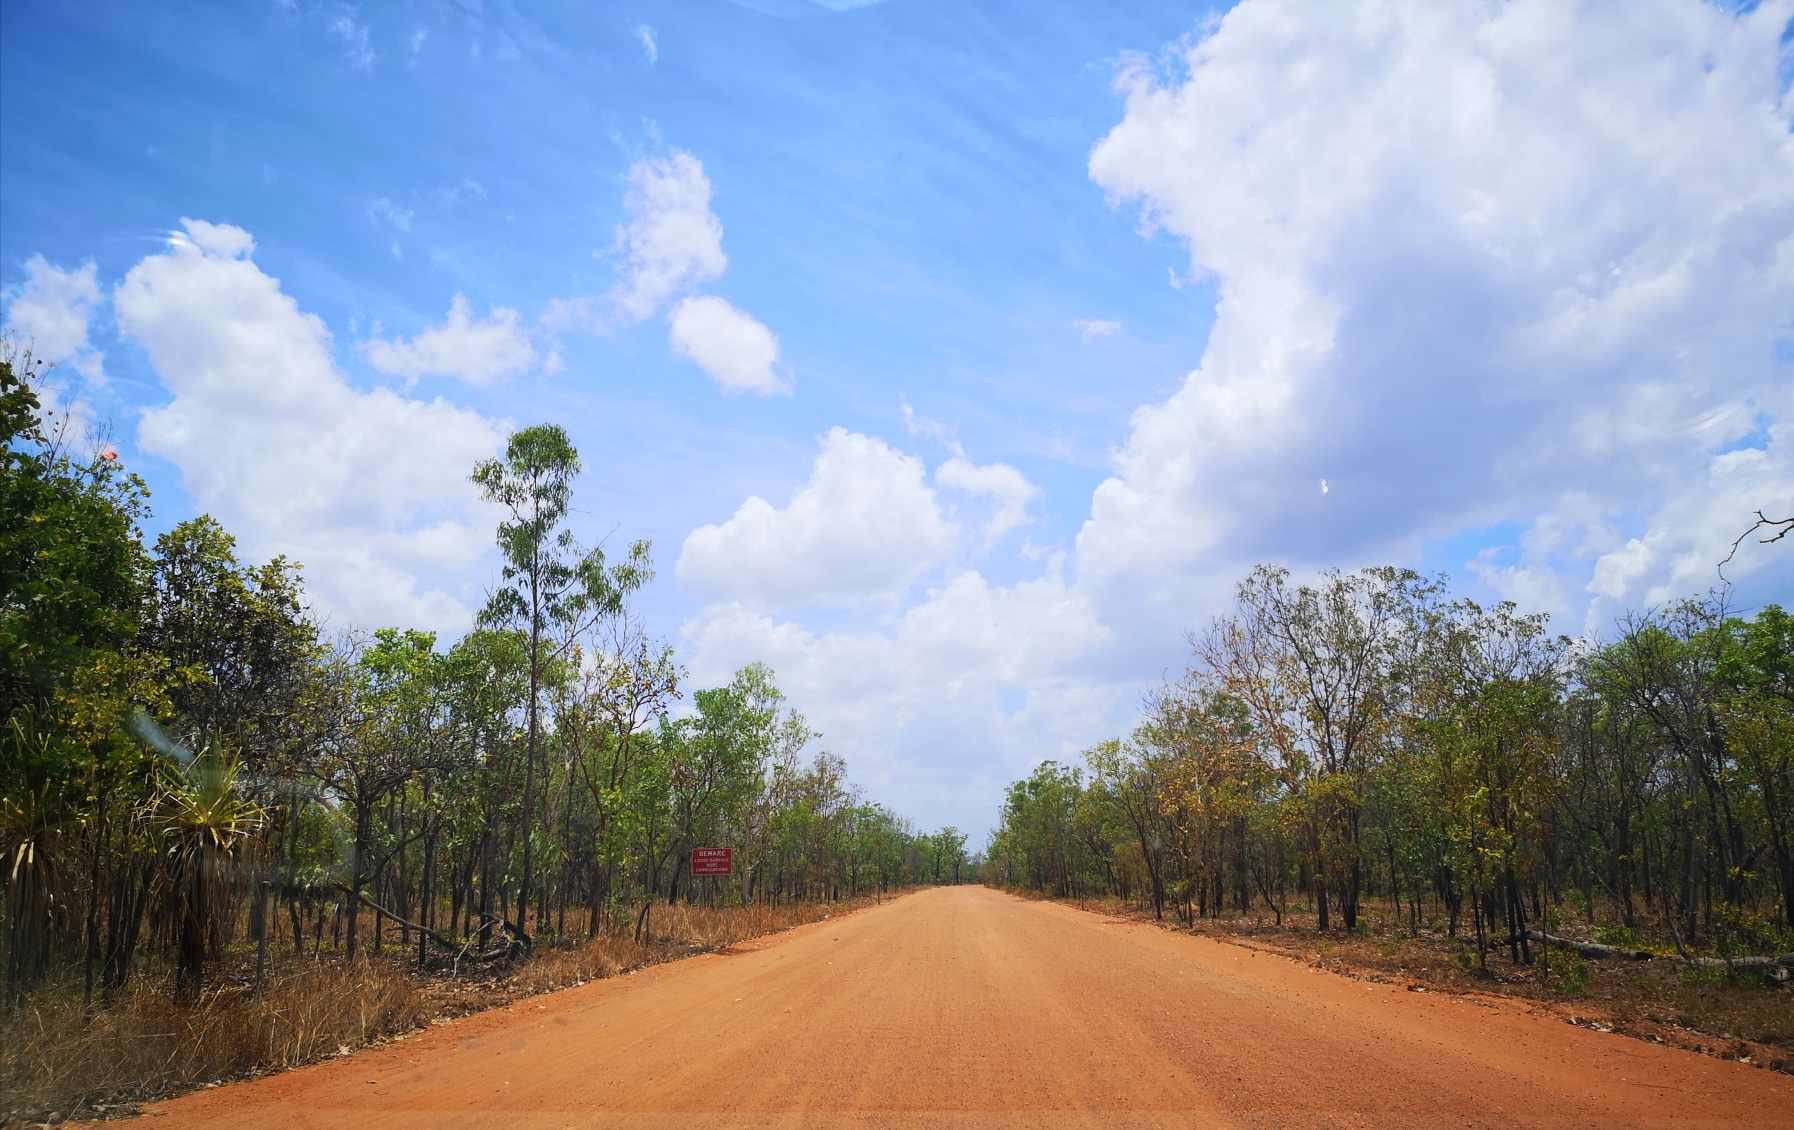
{"type": "Point", "coordinates": [902, 190]}
{"type": "Point", "coordinates": [1029, 326]}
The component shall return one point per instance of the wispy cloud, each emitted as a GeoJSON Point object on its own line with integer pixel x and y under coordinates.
{"type": "Point", "coordinates": [649, 48]}
{"type": "Point", "coordinates": [672, 244]}
{"type": "Point", "coordinates": [1008, 490]}
{"type": "Point", "coordinates": [472, 189]}
{"type": "Point", "coordinates": [920, 425]}
{"type": "Point", "coordinates": [385, 209]}
{"type": "Point", "coordinates": [1089, 329]}
{"type": "Point", "coordinates": [356, 37]}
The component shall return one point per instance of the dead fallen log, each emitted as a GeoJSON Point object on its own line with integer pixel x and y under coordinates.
{"type": "Point", "coordinates": [445, 943]}
{"type": "Point", "coordinates": [1590, 949]}
{"type": "Point", "coordinates": [1774, 965]}
{"type": "Point", "coordinates": [1785, 961]}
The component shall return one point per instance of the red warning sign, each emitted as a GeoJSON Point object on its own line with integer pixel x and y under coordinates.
{"type": "Point", "coordinates": [713, 861]}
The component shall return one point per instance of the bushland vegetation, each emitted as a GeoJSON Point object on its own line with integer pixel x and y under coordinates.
{"type": "Point", "coordinates": [219, 816]}
{"type": "Point", "coordinates": [1368, 738]}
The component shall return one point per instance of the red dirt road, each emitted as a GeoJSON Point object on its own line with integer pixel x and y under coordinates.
{"type": "Point", "coordinates": [961, 1006]}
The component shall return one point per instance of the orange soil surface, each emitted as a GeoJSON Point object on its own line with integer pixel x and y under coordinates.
{"type": "Point", "coordinates": [962, 1006]}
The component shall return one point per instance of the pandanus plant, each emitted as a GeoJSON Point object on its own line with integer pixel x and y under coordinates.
{"type": "Point", "coordinates": [34, 819]}
{"type": "Point", "coordinates": [205, 825]}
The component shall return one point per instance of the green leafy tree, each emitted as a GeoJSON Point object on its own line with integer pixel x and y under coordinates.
{"type": "Point", "coordinates": [237, 640]}
{"type": "Point", "coordinates": [551, 584]}
{"type": "Point", "coordinates": [482, 679]}
{"type": "Point", "coordinates": [1313, 666]}
{"type": "Point", "coordinates": [72, 567]}
{"type": "Point", "coordinates": [947, 855]}
{"type": "Point", "coordinates": [624, 689]}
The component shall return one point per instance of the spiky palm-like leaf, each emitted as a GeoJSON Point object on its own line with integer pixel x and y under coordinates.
{"type": "Point", "coordinates": [205, 825]}
{"type": "Point", "coordinates": [34, 817]}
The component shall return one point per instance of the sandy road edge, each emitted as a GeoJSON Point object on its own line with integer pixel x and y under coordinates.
{"type": "Point", "coordinates": [1591, 1015]}
{"type": "Point", "coordinates": [458, 1024]}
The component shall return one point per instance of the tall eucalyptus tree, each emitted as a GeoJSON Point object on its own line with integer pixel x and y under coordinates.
{"type": "Point", "coordinates": [550, 583]}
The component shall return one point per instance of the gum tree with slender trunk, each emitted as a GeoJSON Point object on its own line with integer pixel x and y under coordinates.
{"type": "Point", "coordinates": [551, 586]}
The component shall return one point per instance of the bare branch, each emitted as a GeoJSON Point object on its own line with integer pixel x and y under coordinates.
{"type": "Point", "coordinates": [1782, 527]}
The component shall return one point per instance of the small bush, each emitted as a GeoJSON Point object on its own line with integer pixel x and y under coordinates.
{"type": "Point", "coordinates": [1739, 933]}
{"type": "Point", "coordinates": [1707, 978]}
{"type": "Point", "coordinates": [1616, 934]}
{"type": "Point", "coordinates": [1574, 982]}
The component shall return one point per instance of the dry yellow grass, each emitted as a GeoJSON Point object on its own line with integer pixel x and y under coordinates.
{"type": "Point", "coordinates": [55, 1057]}
{"type": "Point", "coordinates": [673, 932]}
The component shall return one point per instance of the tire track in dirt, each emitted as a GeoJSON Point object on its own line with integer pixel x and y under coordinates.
{"type": "Point", "coordinates": [962, 1006]}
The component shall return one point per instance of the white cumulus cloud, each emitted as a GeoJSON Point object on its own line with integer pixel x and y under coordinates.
{"type": "Point", "coordinates": [368, 490]}
{"type": "Point", "coordinates": [479, 353]}
{"type": "Point", "coordinates": [736, 351]}
{"type": "Point", "coordinates": [50, 313]}
{"type": "Point", "coordinates": [1007, 488]}
{"type": "Point", "coordinates": [968, 665]}
{"type": "Point", "coordinates": [973, 666]}
{"type": "Point", "coordinates": [1524, 265]}
{"type": "Point", "coordinates": [1513, 263]}
{"type": "Point", "coordinates": [673, 241]}
{"type": "Point", "coordinates": [862, 528]}
{"type": "Point", "coordinates": [672, 244]}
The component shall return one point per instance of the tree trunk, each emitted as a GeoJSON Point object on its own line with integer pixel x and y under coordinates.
{"type": "Point", "coordinates": [529, 755]}
{"type": "Point", "coordinates": [356, 874]}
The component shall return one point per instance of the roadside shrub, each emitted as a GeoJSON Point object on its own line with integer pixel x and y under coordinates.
{"type": "Point", "coordinates": [1616, 934]}
{"type": "Point", "coordinates": [1739, 933]}
{"type": "Point", "coordinates": [1574, 982]}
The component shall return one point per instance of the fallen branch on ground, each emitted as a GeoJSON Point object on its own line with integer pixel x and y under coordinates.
{"type": "Point", "coordinates": [1596, 950]}
{"type": "Point", "coordinates": [1590, 949]}
{"type": "Point", "coordinates": [1785, 961]}
{"type": "Point", "coordinates": [381, 910]}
